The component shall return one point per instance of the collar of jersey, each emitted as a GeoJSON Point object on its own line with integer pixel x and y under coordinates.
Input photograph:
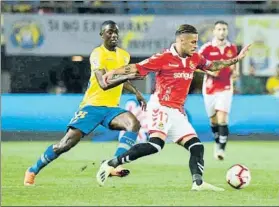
{"type": "Point", "coordinates": [103, 46]}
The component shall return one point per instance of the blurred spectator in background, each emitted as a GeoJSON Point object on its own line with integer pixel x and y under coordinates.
{"type": "Point", "coordinates": [5, 82]}
{"type": "Point", "coordinates": [273, 6]}
{"type": "Point", "coordinates": [55, 85]}
{"type": "Point", "coordinates": [48, 8]}
{"type": "Point", "coordinates": [259, 55]}
{"type": "Point", "coordinates": [256, 7]}
{"type": "Point", "coordinates": [58, 89]}
{"type": "Point", "coordinates": [95, 7]}
{"type": "Point", "coordinates": [17, 6]}
{"type": "Point", "coordinates": [72, 79]}
{"type": "Point", "coordinates": [251, 84]}
{"type": "Point", "coordinates": [272, 84]}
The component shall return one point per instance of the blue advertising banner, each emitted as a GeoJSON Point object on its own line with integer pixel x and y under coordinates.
{"type": "Point", "coordinates": [51, 113]}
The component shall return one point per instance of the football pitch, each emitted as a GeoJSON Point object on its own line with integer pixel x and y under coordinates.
{"type": "Point", "coordinates": [162, 179]}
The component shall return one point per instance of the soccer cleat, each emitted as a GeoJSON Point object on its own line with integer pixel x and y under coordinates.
{"type": "Point", "coordinates": [103, 173]}
{"type": "Point", "coordinates": [119, 172]}
{"type": "Point", "coordinates": [205, 187]}
{"type": "Point", "coordinates": [29, 178]}
{"type": "Point", "coordinates": [219, 153]}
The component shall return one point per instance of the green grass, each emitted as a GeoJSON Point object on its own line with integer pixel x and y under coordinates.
{"type": "Point", "coordinates": [161, 179]}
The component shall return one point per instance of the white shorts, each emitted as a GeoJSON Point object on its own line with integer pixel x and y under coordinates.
{"type": "Point", "coordinates": [168, 121]}
{"type": "Point", "coordinates": [220, 101]}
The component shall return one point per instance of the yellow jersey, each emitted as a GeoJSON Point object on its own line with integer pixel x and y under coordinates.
{"type": "Point", "coordinates": [102, 58]}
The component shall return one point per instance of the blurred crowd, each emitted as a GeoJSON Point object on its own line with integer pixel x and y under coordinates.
{"type": "Point", "coordinates": [140, 7]}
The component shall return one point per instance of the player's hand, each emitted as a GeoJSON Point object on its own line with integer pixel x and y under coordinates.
{"type": "Point", "coordinates": [244, 52]}
{"type": "Point", "coordinates": [107, 76]}
{"type": "Point", "coordinates": [141, 101]}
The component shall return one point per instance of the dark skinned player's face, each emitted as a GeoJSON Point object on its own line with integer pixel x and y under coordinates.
{"type": "Point", "coordinates": [110, 36]}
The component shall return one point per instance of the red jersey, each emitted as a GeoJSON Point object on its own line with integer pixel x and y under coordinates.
{"type": "Point", "coordinates": [174, 75]}
{"type": "Point", "coordinates": [223, 81]}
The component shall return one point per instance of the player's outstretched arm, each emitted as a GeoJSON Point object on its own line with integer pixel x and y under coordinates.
{"type": "Point", "coordinates": [208, 72]}
{"type": "Point", "coordinates": [116, 77]}
{"type": "Point", "coordinates": [218, 65]}
{"type": "Point", "coordinates": [125, 70]}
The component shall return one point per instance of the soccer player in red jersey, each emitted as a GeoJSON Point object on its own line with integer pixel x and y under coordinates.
{"type": "Point", "coordinates": [218, 87]}
{"type": "Point", "coordinates": [174, 70]}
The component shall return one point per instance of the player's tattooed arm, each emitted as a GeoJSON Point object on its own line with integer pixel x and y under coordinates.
{"type": "Point", "coordinates": [115, 77]}
{"type": "Point", "coordinates": [127, 69]}
{"type": "Point", "coordinates": [218, 65]}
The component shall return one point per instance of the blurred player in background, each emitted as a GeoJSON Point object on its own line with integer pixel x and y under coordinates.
{"type": "Point", "coordinates": [174, 70]}
{"type": "Point", "coordinates": [218, 86]}
{"type": "Point", "coordinates": [98, 107]}
{"type": "Point", "coordinates": [272, 83]}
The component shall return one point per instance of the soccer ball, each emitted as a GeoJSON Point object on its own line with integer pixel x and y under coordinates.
{"type": "Point", "coordinates": [238, 176]}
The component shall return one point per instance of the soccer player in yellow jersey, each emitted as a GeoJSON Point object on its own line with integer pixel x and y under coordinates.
{"type": "Point", "coordinates": [98, 107]}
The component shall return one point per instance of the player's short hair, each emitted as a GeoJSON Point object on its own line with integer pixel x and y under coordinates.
{"type": "Point", "coordinates": [221, 22]}
{"type": "Point", "coordinates": [104, 24]}
{"type": "Point", "coordinates": [186, 28]}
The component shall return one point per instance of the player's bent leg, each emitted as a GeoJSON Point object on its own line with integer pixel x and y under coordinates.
{"type": "Point", "coordinates": [214, 127]}
{"type": "Point", "coordinates": [196, 163]}
{"type": "Point", "coordinates": [128, 122]}
{"type": "Point", "coordinates": [223, 129]}
{"type": "Point", "coordinates": [154, 145]}
{"type": "Point", "coordinates": [71, 138]}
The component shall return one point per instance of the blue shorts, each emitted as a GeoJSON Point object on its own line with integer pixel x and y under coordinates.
{"type": "Point", "coordinates": [89, 117]}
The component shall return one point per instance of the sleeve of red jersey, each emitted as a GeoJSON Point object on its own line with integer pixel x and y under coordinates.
{"type": "Point", "coordinates": [152, 64]}
{"type": "Point", "coordinates": [203, 64]}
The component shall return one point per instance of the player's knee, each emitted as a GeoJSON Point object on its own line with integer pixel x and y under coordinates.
{"type": "Point", "coordinates": [66, 143]}
{"type": "Point", "coordinates": [195, 147]}
{"type": "Point", "coordinates": [157, 143]}
{"type": "Point", "coordinates": [213, 123]}
{"type": "Point", "coordinates": [222, 118]}
{"type": "Point", "coordinates": [213, 120]}
{"type": "Point", "coordinates": [133, 125]}
{"type": "Point", "coordinates": [222, 122]}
